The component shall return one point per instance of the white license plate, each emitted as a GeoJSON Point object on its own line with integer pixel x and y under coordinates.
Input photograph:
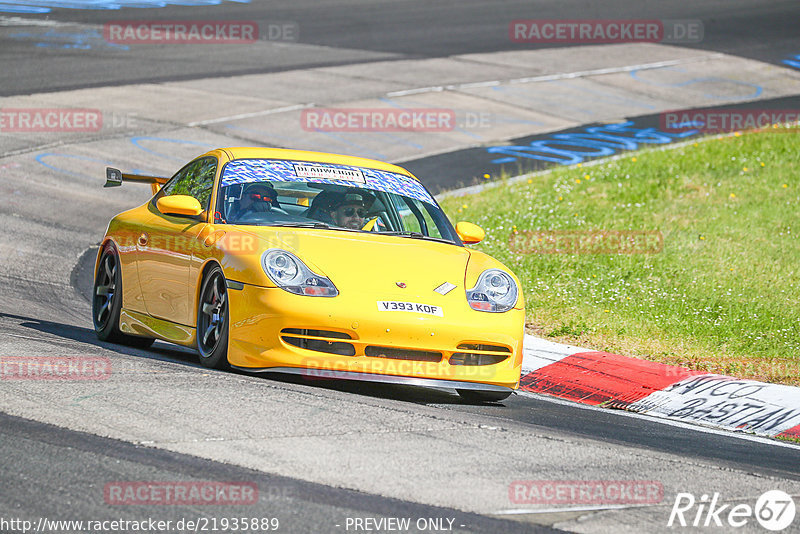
{"type": "Point", "coordinates": [413, 307]}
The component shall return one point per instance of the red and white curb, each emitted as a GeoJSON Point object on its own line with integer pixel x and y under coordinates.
{"type": "Point", "coordinates": [614, 381]}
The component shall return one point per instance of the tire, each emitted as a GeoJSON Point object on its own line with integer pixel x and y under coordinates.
{"type": "Point", "coordinates": [107, 301]}
{"type": "Point", "coordinates": [212, 320]}
{"type": "Point", "coordinates": [471, 395]}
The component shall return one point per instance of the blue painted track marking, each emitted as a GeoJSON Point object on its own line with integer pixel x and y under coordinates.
{"type": "Point", "coordinates": [392, 103]}
{"type": "Point", "coordinates": [83, 40]}
{"type": "Point", "coordinates": [457, 128]}
{"type": "Point", "coordinates": [40, 159]}
{"type": "Point", "coordinates": [339, 138]}
{"type": "Point", "coordinates": [289, 138]}
{"type": "Point", "coordinates": [591, 142]}
{"type": "Point", "coordinates": [256, 131]}
{"type": "Point", "coordinates": [401, 141]}
{"type": "Point", "coordinates": [136, 141]}
{"type": "Point", "coordinates": [542, 101]}
{"type": "Point", "coordinates": [755, 88]}
{"type": "Point", "coordinates": [45, 6]}
{"type": "Point", "coordinates": [31, 10]}
{"type": "Point", "coordinates": [604, 95]}
{"type": "Point", "coordinates": [794, 61]}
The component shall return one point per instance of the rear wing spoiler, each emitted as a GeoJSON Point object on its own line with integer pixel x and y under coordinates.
{"type": "Point", "coordinates": [115, 177]}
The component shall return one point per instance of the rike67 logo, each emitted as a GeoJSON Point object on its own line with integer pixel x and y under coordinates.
{"type": "Point", "coordinates": [774, 510]}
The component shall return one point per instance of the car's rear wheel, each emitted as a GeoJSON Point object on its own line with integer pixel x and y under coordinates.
{"type": "Point", "coordinates": [107, 301]}
{"type": "Point", "coordinates": [212, 320]}
{"type": "Point", "coordinates": [471, 395]}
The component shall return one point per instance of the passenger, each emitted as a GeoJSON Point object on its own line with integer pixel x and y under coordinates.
{"type": "Point", "coordinates": [320, 209]}
{"type": "Point", "coordinates": [256, 198]}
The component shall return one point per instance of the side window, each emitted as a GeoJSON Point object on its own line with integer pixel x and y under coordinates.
{"type": "Point", "coordinates": [415, 217]}
{"type": "Point", "coordinates": [196, 180]}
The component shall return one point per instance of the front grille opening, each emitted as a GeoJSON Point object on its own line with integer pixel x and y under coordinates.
{"type": "Point", "coordinates": [316, 333]}
{"type": "Point", "coordinates": [469, 358]}
{"type": "Point", "coordinates": [402, 354]}
{"type": "Point", "coordinates": [320, 345]}
{"type": "Point", "coordinates": [479, 346]}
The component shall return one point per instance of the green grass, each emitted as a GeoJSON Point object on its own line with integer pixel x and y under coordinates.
{"type": "Point", "coordinates": [724, 293]}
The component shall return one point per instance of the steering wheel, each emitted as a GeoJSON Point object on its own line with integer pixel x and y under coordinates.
{"type": "Point", "coordinates": [369, 226]}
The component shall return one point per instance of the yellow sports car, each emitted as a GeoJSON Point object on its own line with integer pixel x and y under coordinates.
{"type": "Point", "coordinates": [272, 260]}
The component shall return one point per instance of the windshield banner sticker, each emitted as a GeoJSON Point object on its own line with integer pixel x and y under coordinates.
{"type": "Point", "coordinates": [243, 171]}
{"type": "Point", "coordinates": [329, 173]}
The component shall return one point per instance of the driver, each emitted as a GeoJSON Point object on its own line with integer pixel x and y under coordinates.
{"type": "Point", "coordinates": [256, 197]}
{"type": "Point", "coordinates": [350, 210]}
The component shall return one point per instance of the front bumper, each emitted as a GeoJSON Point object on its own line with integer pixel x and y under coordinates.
{"type": "Point", "coordinates": [401, 344]}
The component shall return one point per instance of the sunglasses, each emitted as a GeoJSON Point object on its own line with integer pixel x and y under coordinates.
{"type": "Point", "coordinates": [349, 212]}
{"type": "Point", "coordinates": [261, 196]}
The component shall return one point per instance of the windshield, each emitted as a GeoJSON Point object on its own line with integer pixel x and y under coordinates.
{"type": "Point", "coordinates": [337, 197]}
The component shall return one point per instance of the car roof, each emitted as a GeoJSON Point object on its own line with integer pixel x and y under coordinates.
{"type": "Point", "coordinates": [305, 155]}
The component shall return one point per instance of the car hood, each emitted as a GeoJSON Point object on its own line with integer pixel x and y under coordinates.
{"type": "Point", "coordinates": [374, 263]}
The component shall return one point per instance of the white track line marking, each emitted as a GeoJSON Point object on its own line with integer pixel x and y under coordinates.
{"type": "Point", "coordinates": [19, 21]}
{"type": "Point", "coordinates": [553, 77]}
{"type": "Point", "coordinates": [570, 509]}
{"type": "Point", "coordinates": [261, 113]}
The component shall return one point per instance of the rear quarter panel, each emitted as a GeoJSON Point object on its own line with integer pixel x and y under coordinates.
{"type": "Point", "coordinates": [124, 231]}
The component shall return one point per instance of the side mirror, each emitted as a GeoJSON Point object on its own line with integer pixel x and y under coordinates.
{"type": "Point", "coordinates": [470, 233]}
{"type": "Point", "coordinates": [180, 205]}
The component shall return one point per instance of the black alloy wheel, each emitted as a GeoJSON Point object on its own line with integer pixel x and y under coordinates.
{"type": "Point", "coordinates": [212, 321]}
{"type": "Point", "coordinates": [107, 301]}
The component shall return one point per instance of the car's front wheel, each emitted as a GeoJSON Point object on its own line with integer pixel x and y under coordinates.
{"type": "Point", "coordinates": [471, 395]}
{"type": "Point", "coordinates": [107, 301]}
{"type": "Point", "coordinates": [212, 320]}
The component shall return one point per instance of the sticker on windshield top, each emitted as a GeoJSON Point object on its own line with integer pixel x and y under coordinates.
{"type": "Point", "coordinates": [413, 307]}
{"type": "Point", "coordinates": [329, 173]}
{"type": "Point", "coordinates": [246, 171]}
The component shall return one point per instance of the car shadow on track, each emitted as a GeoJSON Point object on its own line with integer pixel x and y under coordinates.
{"type": "Point", "coordinates": [412, 394]}
{"type": "Point", "coordinates": [162, 351]}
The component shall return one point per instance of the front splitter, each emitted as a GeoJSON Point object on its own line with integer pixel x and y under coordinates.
{"type": "Point", "coordinates": [372, 377]}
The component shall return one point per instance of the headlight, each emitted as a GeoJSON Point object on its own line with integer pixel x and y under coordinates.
{"type": "Point", "coordinates": [289, 273]}
{"type": "Point", "coordinates": [495, 291]}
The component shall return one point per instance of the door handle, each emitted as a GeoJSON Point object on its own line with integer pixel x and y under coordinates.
{"type": "Point", "coordinates": [143, 239]}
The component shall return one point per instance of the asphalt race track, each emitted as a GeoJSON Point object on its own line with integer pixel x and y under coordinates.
{"type": "Point", "coordinates": [323, 454]}
{"type": "Point", "coordinates": [361, 31]}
